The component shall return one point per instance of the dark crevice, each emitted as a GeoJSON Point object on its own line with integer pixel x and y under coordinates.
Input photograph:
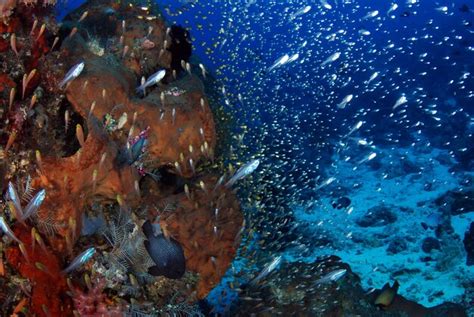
{"type": "Point", "coordinates": [180, 48]}
{"type": "Point", "coordinates": [70, 144]}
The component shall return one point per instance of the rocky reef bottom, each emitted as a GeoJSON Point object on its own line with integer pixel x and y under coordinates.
{"type": "Point", "coordinates": [303, 289]}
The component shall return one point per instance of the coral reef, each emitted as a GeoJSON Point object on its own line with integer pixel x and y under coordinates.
{"type": "Point", "coordinates": [8, 6]}
{"type": "Point", "coordinates": [109, 158]}
{"type": "Point", "coordinates": [117, 199]}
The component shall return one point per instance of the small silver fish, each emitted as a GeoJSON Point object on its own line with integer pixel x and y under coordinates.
{"type": "Point", "coordinates": [122, 121]}
{"type": "Point", "coordinates": [393, 7]}
{"type": "Point", "coordinates": [13, 195]}
{"type": "Point", "coordinates": [270, 267]}
{"type": "Point", "coordinates": [80, 260]}
{"type": "Point", "coordinates": [371, 14]}
{"type": "Point", "coordinates": [334, 57]}
{"type": "Point", "coordinates": [325, 183]}
{"type": "Point", "coordinates": [300, 12]}
{"type": "Point", "coordinates": [355, 128]}
{"type": "Point", "coordinates": [332, 276]}
{"type": "Point", "coordinates": [372, 77]}
{"type": "Point", "coordinates": [243, 172]}
{"type": "Point", "coordinates": [152, 80]}
{"type": "Point", "coordinates": [72, 74]}
{"type": "Point", "coordinates": [325, 4]}
{"type": "Point", "coordinates": [6, 229]}
{"type": "Point", "coordinates": [345, 101]}
{"type": "Point", "coordinates": [34, 204]}
{"type": "Point", "coordinates": [400, 101]}
{"type": "Point", "coordinates": [280, 61]}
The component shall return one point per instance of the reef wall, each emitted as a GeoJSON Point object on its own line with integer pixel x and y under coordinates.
{"type": "Point", "coordinates": [89, 161]}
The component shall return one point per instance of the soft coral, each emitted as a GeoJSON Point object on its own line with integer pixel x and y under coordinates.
{"type": "Point", "coordinates": [49, 285]}
{"type": "Point", "coordinates": [94, 302]}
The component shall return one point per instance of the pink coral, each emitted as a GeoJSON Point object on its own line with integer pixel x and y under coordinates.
{"type": "Point", "coordinates": [148, 45]}
{"type": "Point", "coordinates": [94, 302]}
{"type": "Point", "coordinates": [6, 8]}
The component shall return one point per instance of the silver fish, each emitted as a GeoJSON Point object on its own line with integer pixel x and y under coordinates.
{"type": "Point", "coordinates": [372, 77]}
{"type": "Point", "coordinates": [152, 80]}
{"type": "Point", "coordinates": [80, 260]}
{"type": "Point", "coordinates": [325, 4]}
{"type": "Point", "coordinates": [334, 57]}
{"type": "Point", "coordinates": [13, 195]}
{"type": "Point", "coordinates": [371, 14]}
{"type": "Point", "coordinates": [6, 229]}
{"type": "Point", "coordinates": [270, 267]}
{"type": "Point", "coordinates": [242, 172]}
{"type": "Point", "coordinates": [400, 101]}
{"type": "Point", "coordinates": [280, 61]}
{"type": "Point", "coordinates": [72, 74]}
{"type": "Point", "coordinates": [301, 11]}
{"type": "Point", "coordinates": [393, 7]}
{"type": "Point", "coordinates": [345, 101]}
{"type": "Point", "coordinates": [34, 204]}
{"type": "Point", "coordinates": [332, 276]}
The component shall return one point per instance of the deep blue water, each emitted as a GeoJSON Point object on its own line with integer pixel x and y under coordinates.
{"type": "Point", "coordinates": [423, 50]}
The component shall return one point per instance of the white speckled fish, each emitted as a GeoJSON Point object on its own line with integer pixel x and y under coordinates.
{"type": "Point", "coordinates": [152, 80]}
{"type": "Point", "coordinates": [72, 74]}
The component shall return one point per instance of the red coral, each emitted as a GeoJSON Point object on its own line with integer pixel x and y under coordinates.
{"type": "Point", "coordinates": [5, 82]}
{"type": "Point", "coordinates": [3, 45]}
{"type": "Point", "coordinates": [48, 285]}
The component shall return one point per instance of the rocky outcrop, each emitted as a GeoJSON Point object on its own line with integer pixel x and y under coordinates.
{"type": "Point", "coordinates": [298, 289]}
{"type": "Point", "coordinates": [377, 216]}
{"type": "Point", "coordinates": [469, 245]}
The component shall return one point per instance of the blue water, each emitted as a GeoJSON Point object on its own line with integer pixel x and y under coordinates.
{"type": "Point", "coordinates": [296, 125]}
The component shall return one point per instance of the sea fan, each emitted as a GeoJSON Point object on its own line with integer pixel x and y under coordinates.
{"type": "Point", "coordinates": [166, 206]}
{"type": "Point", "coordinates": [48, 224]}
{"type": "Point", "coordinates": [128, 249]}
{"type": "Point", "coordinates": [27, 190]}
{"type": "Point", "coordinates": [117, 235]}
{"type": "Point", "coordinates": [182, 308]}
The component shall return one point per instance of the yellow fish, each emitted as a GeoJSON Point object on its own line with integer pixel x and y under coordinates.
{"type": "Point", "coordinates": [387, 295]}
